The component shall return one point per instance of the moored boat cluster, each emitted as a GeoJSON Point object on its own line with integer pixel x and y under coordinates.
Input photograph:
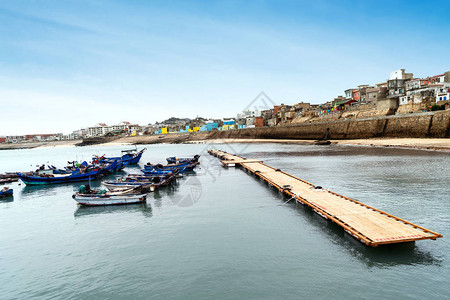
{"type": "Point", "coordinates": [132, 188]}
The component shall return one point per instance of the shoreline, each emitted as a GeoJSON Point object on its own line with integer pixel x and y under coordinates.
{"type": "Point", "coordinates": [435, 144]}
{"type": "Point", "coordinates": [441, 145]}
{"type": "Point", "coordinates": [33, 145]}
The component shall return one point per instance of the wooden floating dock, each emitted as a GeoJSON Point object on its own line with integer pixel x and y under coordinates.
{"type": "Point", "coordinates": [371, 226]}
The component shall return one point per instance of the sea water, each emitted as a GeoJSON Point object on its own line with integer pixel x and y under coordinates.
{"type": "Point", "coordinates": [221, 234]}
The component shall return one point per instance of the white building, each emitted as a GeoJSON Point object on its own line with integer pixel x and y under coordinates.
{"type": "Point", "coordinates": [15, 138]}
{"type": "Point", "coordinates": [135, 128]}
{"type": "Point", "coordinates": [78, 134]}
{"type": "Point", "coordinates": [102, 129]}
{"type": "Point", "coordinates": [122, 126]}
{"type": "Point", "coordinates": [99, 130]}
{"type": "Point", "coordinates": [249, 114]}
{"type": "Point", "coordinates": [403, 100]}
{"type": "Point", "coordinates": [400, 74]}
{"type": "Point", "coordinates": [442, 92]}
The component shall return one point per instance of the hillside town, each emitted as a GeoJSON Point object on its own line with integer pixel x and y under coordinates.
{"type": "Point", "coordinates": [401, 93]}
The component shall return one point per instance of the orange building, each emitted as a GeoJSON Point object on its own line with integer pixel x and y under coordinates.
{"type": "Point", "coordinates": [276, 109]}
{"type": "Point", "coordinates": [259, 122]}
{"type": "Point", "coordinates": [356, 95]}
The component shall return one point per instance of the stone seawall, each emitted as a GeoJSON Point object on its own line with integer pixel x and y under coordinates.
{"type": "Point", "coordinates": [431, 124]}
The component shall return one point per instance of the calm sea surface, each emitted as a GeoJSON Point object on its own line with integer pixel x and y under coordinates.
{"type": "Point", "coordinates": [222, 234]}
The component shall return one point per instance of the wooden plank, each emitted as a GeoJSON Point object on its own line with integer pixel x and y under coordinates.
{"type": "Point", "coordinates": [239, 161]}
{"type": "Point", "coordinates": [372, 226]}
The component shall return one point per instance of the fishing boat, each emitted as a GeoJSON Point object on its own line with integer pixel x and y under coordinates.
{"type": "Point", "coordinates": [119, 186]}
{"type": "Point", "coordinates": [151, 184]}
{"type": "Point", "coordinates": [130, 157]}
{"type": "Point", "coordinates": [34, 178]}
{"type": "Point", "coordinates": [148, 177]}
{"type": "Point", "coordinates": [87, 196]}
{"type": "Point", "coordinates": [62, 171]}
{"type": "Point", "coordinates": [109, 168]}
{"type": "Point", "coordinates": [156, 172]}
{"type": "Point", "coordinates": [174, 160]}
{"type": "Point", "coordinates": [188, 166]}
{"type": "Point", "coordinates": [5, 192]}
{"type": "Point", "coordinates": [71, 167]}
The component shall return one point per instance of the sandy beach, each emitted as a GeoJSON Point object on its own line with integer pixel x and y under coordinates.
{"type": "Point", "coordinates": [32, 145]}
{"type": "Point", "coordinates": [411, 143]}
{"type": "Point", "coordinates": [422, 144]}
{"type": "Point", "coordinates": [425, 144]}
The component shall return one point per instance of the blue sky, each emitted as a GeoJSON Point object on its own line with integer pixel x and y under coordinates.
{"type": "Point", "coordinates": [71, 64]}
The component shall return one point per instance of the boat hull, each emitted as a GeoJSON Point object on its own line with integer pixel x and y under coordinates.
{"type": "Point", "coordinates": [172, 167]}
{"type": "Point", "coordinates": [6, 193]}
{"type": "Point", "coordinates": [112, 186]}
{"type": "Point", "coordinates": [37, 180]}
{"type": "Point", "coordinates": [127, 159]}
{"type": "Point", "coordinates": [174, 160]}
{"type": "Point", "coordinates": [102, 200]}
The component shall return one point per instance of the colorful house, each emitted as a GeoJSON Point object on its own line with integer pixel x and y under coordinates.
{"type": "Point", "coordinates": [211, 126]}
{"type": "Point", "coordinates": [259, 122]}
{"type": "Point", "coordinates": [356, 95]}
{"type": "Point", "coordinates": [229, 122]}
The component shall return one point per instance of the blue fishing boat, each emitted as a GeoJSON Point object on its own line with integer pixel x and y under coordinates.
{"type": "Point", "coordinates": [154, 172]}
{"type": "Point", "coordinates": [55, 170]}
{"type": "Point", "coordinates": [174, 160]}
{"type": "Point", "coordinates": [144, 177]}
{"type": "Point", "coordinates": [5, 192]}
{"type": "Point", "coordinates": [187, 166]}
{"type": "Point", "coordinates": [112, 167]}
{"type": "Point", "coordinates": [77, 175]}
{"type": "Point", "coordinates": [151, 184]}
{"type": "Point", "coordinates": [129, 158]}
{"type": "Point", "coordinates": [107, 168]}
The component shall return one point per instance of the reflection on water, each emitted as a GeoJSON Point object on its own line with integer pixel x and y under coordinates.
{"type": "Point", "coordinates": [144, 208]}
{"type": "Point", "coordinates": [6, 199]}
{"type": "Point", "coordinates": [42, 190]}
{"type": "Point", "coordinates": [381, 256]}
{"type": "Point", "coordinates": [164, 192]}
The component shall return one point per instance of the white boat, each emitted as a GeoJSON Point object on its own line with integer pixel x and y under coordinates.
{"type": "Point", "coordinates": [119, 186]}
{"type": "Point", "coordinates": [95, 198]}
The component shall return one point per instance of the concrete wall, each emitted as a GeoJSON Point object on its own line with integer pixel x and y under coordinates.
{"type": "Point", "coordinates": [440, 125]}
{"type": "Point", "coordinates": [431, 124]}
{"type": "Point", "coordinates": [383, 104]}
